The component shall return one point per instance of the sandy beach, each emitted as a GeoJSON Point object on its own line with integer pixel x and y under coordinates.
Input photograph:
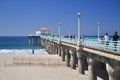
{"type": "Point", "coordinates": [36, 67]}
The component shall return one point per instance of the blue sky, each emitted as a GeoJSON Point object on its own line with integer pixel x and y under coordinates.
{"type": "Point", "coordinates": [23, 17]}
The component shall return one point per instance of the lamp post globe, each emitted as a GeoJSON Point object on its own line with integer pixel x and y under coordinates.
{"type": "Point", "coordinates": [98, 23]}
{"type": "Point", "coordinates": [78, 13]}
{"type": "Point", "coordinates": [58, 23]}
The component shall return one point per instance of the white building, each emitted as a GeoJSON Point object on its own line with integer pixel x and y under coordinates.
{"type": "Point", "coordinates": [43, 31]}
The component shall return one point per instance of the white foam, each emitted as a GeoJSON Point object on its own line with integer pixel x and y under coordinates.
{"type": "Point", "coordinates": [23, 51]}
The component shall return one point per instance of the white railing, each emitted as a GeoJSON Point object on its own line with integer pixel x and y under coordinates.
{"type": "Point", "coordinates": [109, 46]}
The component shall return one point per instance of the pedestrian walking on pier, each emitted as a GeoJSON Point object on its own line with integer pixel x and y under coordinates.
{"type": "Point", "coordinates": [115, 39]}
{"type": "Point", "coordinates": [106, 38]}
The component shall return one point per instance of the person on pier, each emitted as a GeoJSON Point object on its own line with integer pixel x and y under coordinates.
{"type": "Point", "coordinates": [115, 39]}
{"type": "Point", "coordinates": [106, 38]}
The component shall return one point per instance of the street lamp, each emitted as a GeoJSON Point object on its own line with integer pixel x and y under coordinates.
{"type": "Point", "coordinates": [98, 31]}
{"type": "Point", "coordinates": [59, 39]}
{"type": "Point", "coordinates": [78, 42]}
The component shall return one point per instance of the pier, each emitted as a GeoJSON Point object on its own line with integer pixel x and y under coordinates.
{"type": "Point", "coordinates": [33, 39]}
{"type": "Point", "coordinates": [90, 53]}
{"type": "Point", "coordinates": [85, 54]}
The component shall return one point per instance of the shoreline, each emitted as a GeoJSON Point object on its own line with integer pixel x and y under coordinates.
{"type": "Point", "coordinates": [23, 51]}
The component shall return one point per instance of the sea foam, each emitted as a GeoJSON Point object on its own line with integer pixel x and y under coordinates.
{"type": "Point", "coordinates": [23, 51]}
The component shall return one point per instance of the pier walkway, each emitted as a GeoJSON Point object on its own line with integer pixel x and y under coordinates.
{"type": "Point", "coordinates": [90, 42]}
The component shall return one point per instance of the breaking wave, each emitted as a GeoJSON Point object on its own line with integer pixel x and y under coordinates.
{"type": "Point", "coordinates": [23, 51]}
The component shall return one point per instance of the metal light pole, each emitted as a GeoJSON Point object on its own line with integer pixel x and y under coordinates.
{"type": "Point", "coordinates": [78, 42]}
{"type": "Point", "coordinates": [98, 31]}
{"type": "Point", "coordinates": [78, 48]}
{"type": "Point", "coordinates": [59, 32]}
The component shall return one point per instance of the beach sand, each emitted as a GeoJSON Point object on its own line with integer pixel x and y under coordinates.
{"type": "Point", "coordinates": [36, 67]}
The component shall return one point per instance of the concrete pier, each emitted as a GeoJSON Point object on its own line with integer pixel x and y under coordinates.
{"type": "Point", "coordinates": [113, 72]}
{"type": "Point", "coordinates": [68, 57]}
{"type": "Point", "coordinates": [34, 40]}
{"type": "Point", "coordinates": [55, 48]}
{"type": "Point", "coordinates": [82, 53]}
{"type": "Point", "coordinates": [92, 69]}
{"type": "Point", "coordinates": [78, 56]}
{"type": "Point", "coordinates": [81, 60]}
{"type": "Point", "coordinates": [81, 64]}
{"type": "Point", "coordinates": [59, 49]}
{"type": "Point", "coordinates": [73, 58]}
{"type": "Point", "coordinates": [63, 53]}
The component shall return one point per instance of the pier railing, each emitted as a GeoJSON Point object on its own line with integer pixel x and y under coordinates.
{"type": "Point", "coordinates": [109, 45]}
{"type": "Point", "coordinates": [93, 43]}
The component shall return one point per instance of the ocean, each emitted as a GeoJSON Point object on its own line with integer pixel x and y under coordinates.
{"type": "Point", "coordinates": [18, 45]}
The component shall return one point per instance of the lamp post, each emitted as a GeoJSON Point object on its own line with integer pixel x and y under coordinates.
{"type": "Point", "coordinates": [59, 31]}
{"type": "Point", "coordinates": [59, 39]}
{"type": "Point", "coordinates": [81, 58]}
{"type": "Point", "coordinates": [98, 31]}
{"type": "Point", "coordinates": [78, 41]}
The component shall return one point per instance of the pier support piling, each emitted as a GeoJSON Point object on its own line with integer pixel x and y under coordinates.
{"type": "Point", "coordinates": [32, 41]}
{"type": "Point", "coordinates": [68, 59]}
{"type": "Point", "coordinates": [63, 53]}
{"type": "Point", "coordinates": [73, 59]}
{"type": "Point", "coordinates": [56, 48]}
{"type": "Point", "coordinates": [92, 69]}
{"type": "Point", "coordinates": [81, 63]}
{"type": "Point", "coordinates": [29, 40]}
{"type": "Point", "coordinates": [59, 49]}
{"type": "Point", "coordinates": [68, 56]}
{"type": "Point", "coordinates": [113, 72]}
{"type": "Point", "coordinates": [81, 60]}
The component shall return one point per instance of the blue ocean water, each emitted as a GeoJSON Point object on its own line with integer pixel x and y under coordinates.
{"type": "Point", "coordinates": [18, 44]}
{"type": "Point", "coordinates": [14, 42]}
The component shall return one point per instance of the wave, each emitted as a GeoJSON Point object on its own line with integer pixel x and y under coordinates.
{"type": "Point", "coordinates": [23, 51]}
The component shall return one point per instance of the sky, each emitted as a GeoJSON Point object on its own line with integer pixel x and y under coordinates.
{"type": "Point", "coordinates": [24, 17]}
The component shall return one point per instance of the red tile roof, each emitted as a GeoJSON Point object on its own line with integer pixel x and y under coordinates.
{"type": "Point", "coordinates": [43, 29]}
